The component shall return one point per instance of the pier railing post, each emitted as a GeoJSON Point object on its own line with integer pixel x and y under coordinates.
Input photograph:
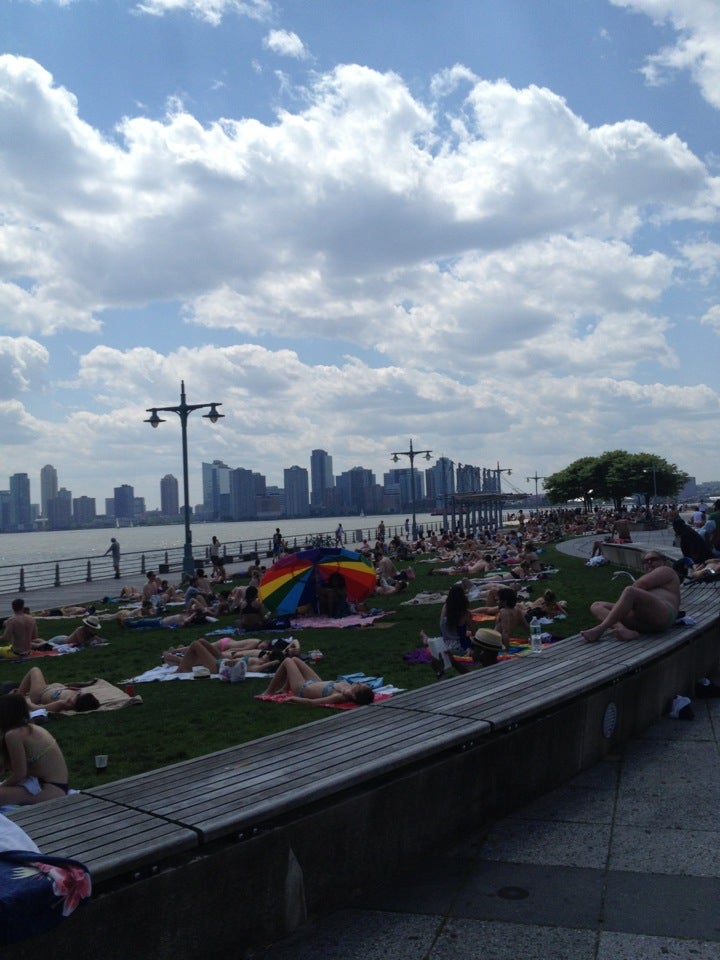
{"type": "Point", "coordinates": [57, 574]}
{"type": "Point", "coordinates": [88, 575]}
{"type": "Point", "coordinates": [22, 580]}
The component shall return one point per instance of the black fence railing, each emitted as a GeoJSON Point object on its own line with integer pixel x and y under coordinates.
{"type": "Point", "coordinates": [18, 578]}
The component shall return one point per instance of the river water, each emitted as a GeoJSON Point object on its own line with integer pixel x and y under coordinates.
{"type": "Point", "coordinates": [24, 548]}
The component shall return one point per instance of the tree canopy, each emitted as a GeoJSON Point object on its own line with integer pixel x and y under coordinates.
{"type": "Point", "coordinates": [615, 475]}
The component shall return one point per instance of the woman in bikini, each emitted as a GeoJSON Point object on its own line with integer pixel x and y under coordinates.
{"type": "Point", "coordinates": [30, 755]}
{"type": "Point", "coordinates": [294, 675]}
{"type": "Point", "coordinates": [202, 653]}
{"type": "Point", "coordinates": [54, 697]}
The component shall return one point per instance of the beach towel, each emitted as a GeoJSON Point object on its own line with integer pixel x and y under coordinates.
{"type": "Point", "coordinates": [110, 698]}
{"type": "Point", "coordinates": [425, 598]}
{"type": "Point", "coordinates": [354, 620]}
{"type": "Point", "coordinates": [32, 656]}
{"type": "Point", "coordinates": [166, 672]}
{"type": "Point", "coordinates": [519, 647]}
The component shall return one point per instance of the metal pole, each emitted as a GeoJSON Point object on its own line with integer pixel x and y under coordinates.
{"type": "Point", "coordinates": [183, 410]}
{"type": "Point", "coordinates": [188, 565]}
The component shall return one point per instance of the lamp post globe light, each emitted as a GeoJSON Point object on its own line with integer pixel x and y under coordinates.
{"type": "Point", "coordinates": [535, 477]}
{"type": "Point", "coordinates": [412, 453]}
{"type": "Point", "coordinates": [183, 410]}
{"type": "Point", "coordinates": [652, 469]}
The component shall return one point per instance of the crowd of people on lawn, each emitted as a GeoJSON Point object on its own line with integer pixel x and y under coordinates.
{"type": "Point", "coordinates": [495, 568]}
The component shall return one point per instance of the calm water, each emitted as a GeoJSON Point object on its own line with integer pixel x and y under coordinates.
{"type": "Point", "coordinates": [21, 548]}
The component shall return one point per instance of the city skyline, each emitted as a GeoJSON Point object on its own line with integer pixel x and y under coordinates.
{"type": "Point", "coordinates": [491, 228]}
{"type": "Point", "coordinates": [236, 493]}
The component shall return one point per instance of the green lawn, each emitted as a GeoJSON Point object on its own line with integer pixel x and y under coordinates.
{"type": "Point", "coordinates": [181, 720]}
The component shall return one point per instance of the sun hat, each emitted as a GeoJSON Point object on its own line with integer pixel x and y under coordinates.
{"type": "Point", "coordinates": [487, 639]}
{"type": "Point", "coordinates": [93, 623]}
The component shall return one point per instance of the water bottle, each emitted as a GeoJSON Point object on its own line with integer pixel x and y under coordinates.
{"type": "Point", "coordinates": [535, 636]}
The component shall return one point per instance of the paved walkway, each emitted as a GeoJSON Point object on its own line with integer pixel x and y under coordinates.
{"type": "Point", "coordinates": [619, 863]}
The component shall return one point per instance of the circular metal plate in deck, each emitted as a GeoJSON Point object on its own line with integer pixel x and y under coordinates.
{"type": "Point", "coordinates": [513, 893]}
{"type": "Point", "coordinates": [609, 720]}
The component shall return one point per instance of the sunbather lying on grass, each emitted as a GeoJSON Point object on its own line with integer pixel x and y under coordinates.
{"type": "Point", "coordinates": [295, 676]}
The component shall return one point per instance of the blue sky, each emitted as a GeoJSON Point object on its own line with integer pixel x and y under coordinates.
{"type": "Point", "coordinates": [492, 227]}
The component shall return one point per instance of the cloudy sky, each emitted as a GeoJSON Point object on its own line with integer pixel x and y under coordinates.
{"type": "Point", "coordinates": [488, 226]}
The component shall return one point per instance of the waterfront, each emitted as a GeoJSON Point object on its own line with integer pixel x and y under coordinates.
{"type": "Point", "coordinates": [25, 548]}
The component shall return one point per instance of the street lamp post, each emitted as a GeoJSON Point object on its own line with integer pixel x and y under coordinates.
{"type": "Point", "coordinates": [183, 410]}
{"type": "Point", "coordinates": [500, 471]}
{"type": "Point", "coordinates": [535, 477]}
{"type": "Point", "coordinates": [412, 453]}
{"type": "Point", "coordinates": [654, 475]}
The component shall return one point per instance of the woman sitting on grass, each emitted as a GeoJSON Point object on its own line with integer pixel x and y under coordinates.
{"type": "Point", "coordinates": [455, 629]}
{"type": "Point", "coordinates": [30, 755]}
{"type": "Point", "coordinates": [511, 617]}
{"type": "Point", "coordinates": [253, 614]}
{"type": "Point", "coordinates": [295, 676]}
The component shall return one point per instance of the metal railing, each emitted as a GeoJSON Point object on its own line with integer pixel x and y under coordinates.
{"type": "Point", "coordinates": [18, 578]}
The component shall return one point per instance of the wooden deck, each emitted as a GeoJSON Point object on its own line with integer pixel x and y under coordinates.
{"type": "Point", "coordinates": [299, 787]}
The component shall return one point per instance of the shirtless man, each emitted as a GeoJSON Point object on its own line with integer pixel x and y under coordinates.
{"type": "Point", "coordinates": [20, 635]}
{"type": "Point", "coordinates": [650, 605]}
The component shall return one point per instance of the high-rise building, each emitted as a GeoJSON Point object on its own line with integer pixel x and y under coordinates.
{"type": "Point", "coordinates": [440, 480]}
{"type": "Point", "coordinates": [297, 492]}
{"type": "Point", "coordinates": [4, 509]}
{"type": "Point", "coordinates": [20, 515]}
{"type": "Point", "coordinates": [357, 487]}
{"type": "Point", "coordinates": [321, 476]}
{"type": "Point", "coordinates": [243, 494]}
{"type": "Point", "coordinates": [84, 511]}
{"type": "Point", "coordinates": [216, 490]}
{"type": "Point", "coordinates": [124, 502]}
{"type": "Point", "coordinates": [59, 510]}
{"type": "Point", "coordinates": [169, 498]}
{"type": "Point", "coordinates": [411, 484]}
{"type": "Point", "coordinates": [48, 487]}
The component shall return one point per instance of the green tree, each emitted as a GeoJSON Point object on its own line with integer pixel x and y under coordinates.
{"type": "Point", "coordinates": [576, 482]}
{"type": "Point", "coordinates": [614, 475]}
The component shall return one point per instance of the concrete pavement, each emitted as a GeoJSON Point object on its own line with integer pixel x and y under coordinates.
{"type": "Point", "coordinates": [621, 862]}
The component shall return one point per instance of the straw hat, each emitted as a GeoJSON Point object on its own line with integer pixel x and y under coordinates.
{"type": "Point", "coordinates": [487, 639]}
{"type": "Point", "coordinates": [93, 623]}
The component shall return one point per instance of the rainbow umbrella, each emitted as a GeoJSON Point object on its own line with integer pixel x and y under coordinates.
{"type": "Point", "coordinates": [293, 581]}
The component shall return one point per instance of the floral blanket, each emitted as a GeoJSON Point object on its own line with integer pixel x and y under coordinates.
{"type": "Point", "coordinates": [37, 892]}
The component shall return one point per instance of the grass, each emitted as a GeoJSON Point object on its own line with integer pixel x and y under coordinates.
{"type": "Point", "coordinates": [182, 720]}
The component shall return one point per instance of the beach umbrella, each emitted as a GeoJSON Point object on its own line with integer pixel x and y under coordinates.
{"type": "Point", "coordinates": [293, 581]}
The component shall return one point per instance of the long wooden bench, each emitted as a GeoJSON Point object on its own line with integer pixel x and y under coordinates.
{"type": "Point", "coordinates": [629, 555]}
{"type": "Point", "coordinates": [295, 822]}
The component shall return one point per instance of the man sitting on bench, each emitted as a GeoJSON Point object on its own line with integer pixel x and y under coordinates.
{"type": "Point", "coordinates": [650, 605]}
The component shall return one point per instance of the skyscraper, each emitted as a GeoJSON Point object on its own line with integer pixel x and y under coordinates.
{"type": "Point", "coordinates": [84, 511]}
{"type": "Point", "coordinates": [59, 510]}
{"type": "Point", "coordinates": [216, 489]}
{"type": "Point", "coordinates": [243, 486]}
{"type": "Point", "coordinates": [169, 498]}
{"type": "Point", "coordinates": [321, 475]}
{"type": "Point", "coordinates": [48, 487]}
{"type": "Point", "coordinates": [297, 494]}
{"type": "Point", "coordinates": [124, 497]}
{"type": "Point", "coordinates": [20, 514]}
